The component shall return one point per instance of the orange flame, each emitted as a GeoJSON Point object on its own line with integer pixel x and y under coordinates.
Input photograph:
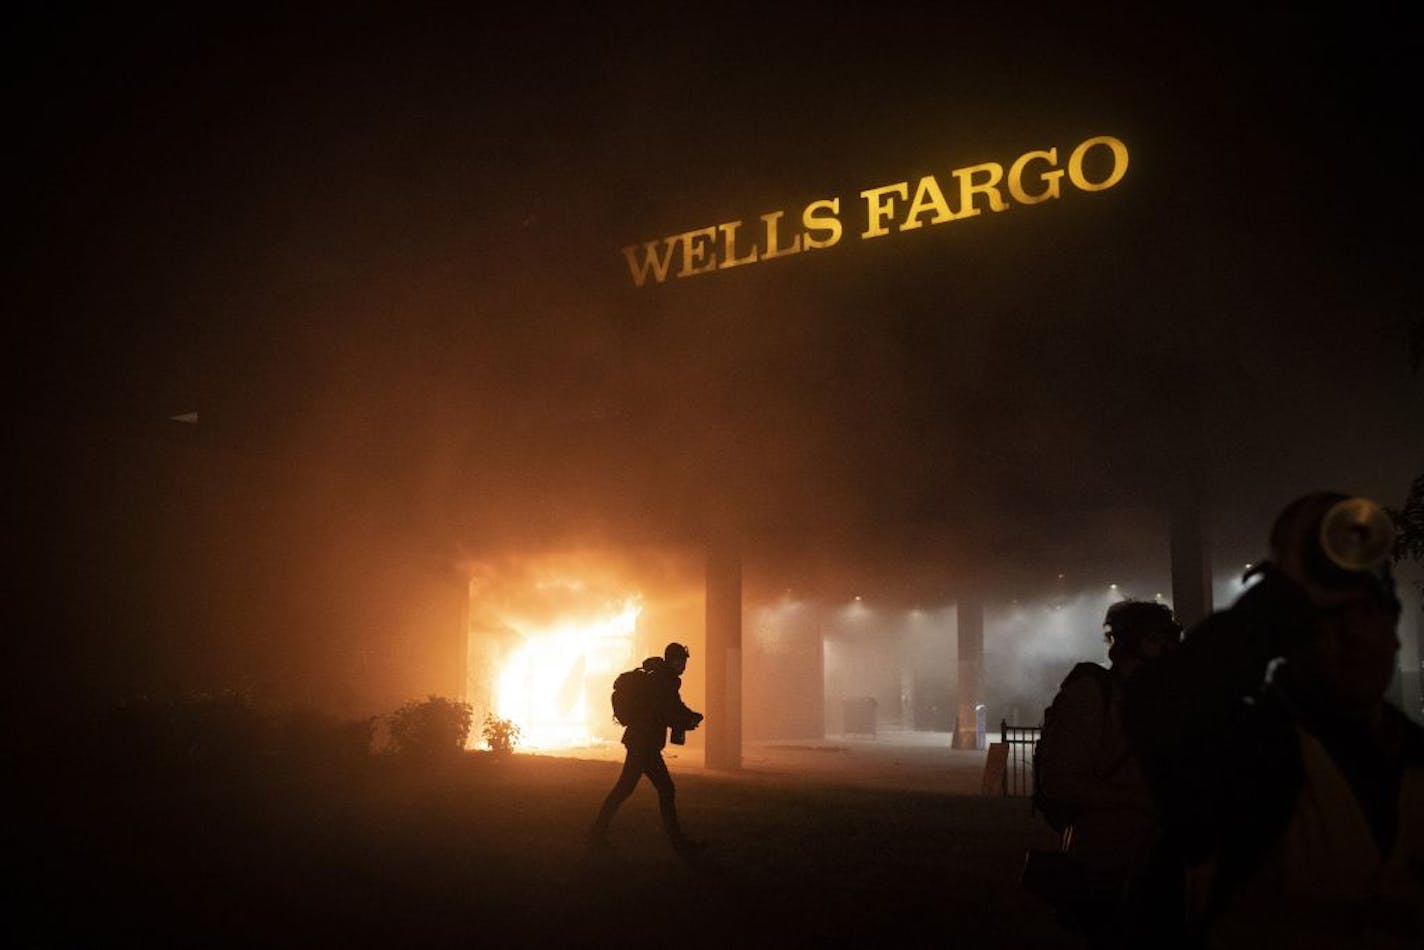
{"type": "Point", "coordinates": [554, 683]}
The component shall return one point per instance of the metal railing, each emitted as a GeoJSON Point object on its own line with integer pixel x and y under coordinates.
{"type": "Point", "coordinates": [1021, 741]}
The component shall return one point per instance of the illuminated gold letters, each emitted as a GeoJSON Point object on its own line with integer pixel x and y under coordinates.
{"type": "Point", "coordinates": [1075, 164]}
{"type": "Point", "coordinates": [876, 209]}
{"type": "Point", "coordinates": [729, 247]}
{"type": "Point", "coordinates": [1032, 178]}
{"type": "Point", "coordinates": [773, 249]}
{"type": "Point", "coordinates": [1052, 177]}
{"type": "Point", "coordinates": [927, 197]}
{"type": "Point", "coordinates": [658, 266]}
{"type": "Point", "coordinates": [831, 224]}
{"type": "Point", "coordinates": [989, 188]}
{"type": "Point", "coordinates": [695, 246]}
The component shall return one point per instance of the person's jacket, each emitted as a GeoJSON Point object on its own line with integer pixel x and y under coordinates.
{"type": "Point", "coordinates": [1089, 768]}
{"type": "Point", "coordinates": [668, 709]}
{"type": "Point", "coordinates": [1253, 801]}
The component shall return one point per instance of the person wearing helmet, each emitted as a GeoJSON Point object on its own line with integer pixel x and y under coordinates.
{"type": "Point", "coordinates": [644, 738]}
{"type": "Point", "coordinates": [1292, 793]}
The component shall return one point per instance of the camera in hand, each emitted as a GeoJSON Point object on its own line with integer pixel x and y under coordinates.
{"type": "Point", "coordinates": [679, 732]}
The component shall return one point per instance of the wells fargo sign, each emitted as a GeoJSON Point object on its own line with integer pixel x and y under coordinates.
{"type": "Point", "coordinates": [1032, 178]}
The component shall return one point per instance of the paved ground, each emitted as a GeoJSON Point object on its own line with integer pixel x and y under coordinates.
{"type": "Point", "coordinates": [910, 761]}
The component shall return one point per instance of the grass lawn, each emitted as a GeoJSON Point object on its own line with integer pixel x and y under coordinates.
{"type": "Point", "coordinates": [490, 852]}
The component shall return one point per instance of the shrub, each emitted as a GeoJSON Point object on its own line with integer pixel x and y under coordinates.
{"type": "Point", "coordinates": [430, 727]}
{"type": "Point", "coordinates": [500, 735]}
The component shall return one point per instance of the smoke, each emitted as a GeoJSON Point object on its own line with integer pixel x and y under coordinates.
{"type": "Point", "coordinates": [904, 663]}
{"type": "Point", "coordinates": [550, 628]}
{"type": "Point", "coordinates": [386, 275]}
{"type": "Point", "coordinates": [1029, 646]}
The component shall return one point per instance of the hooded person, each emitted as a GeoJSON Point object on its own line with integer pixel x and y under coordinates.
{"type": "Point", "coordinates": [1291, 792]}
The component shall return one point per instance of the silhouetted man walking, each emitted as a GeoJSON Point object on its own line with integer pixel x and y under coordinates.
{"type": "Point", "coordinates": [646, 733]}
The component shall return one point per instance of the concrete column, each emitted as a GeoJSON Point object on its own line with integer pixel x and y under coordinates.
{"type": "Point", "coordinates": [969, 613]}
{"type": "Point", "coordinates": [1191, 563]}
{"type": "Point", "coordinates": [724, 654]}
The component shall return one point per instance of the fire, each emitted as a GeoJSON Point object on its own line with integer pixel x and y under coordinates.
{"type": "Point", "coordinates": [554, 683]}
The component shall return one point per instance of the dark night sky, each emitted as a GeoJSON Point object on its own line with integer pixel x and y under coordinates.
{"type": "Point", "coordinates": [388, 244]}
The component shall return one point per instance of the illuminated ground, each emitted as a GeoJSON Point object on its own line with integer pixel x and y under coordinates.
{"type": "Point", "coordinates": [903, 760]}
{"type": "Point", "coordinates": [835, 843]}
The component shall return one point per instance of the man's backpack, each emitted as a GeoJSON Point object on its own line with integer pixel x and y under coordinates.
{"type": "Point", "coordinates": [633, 697]}
{"type": "Point", "coordinates": [1057, 813]}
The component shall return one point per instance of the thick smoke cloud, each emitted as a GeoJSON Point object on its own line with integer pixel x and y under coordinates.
{"type": "Point", "coordinates": [380, 257]}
